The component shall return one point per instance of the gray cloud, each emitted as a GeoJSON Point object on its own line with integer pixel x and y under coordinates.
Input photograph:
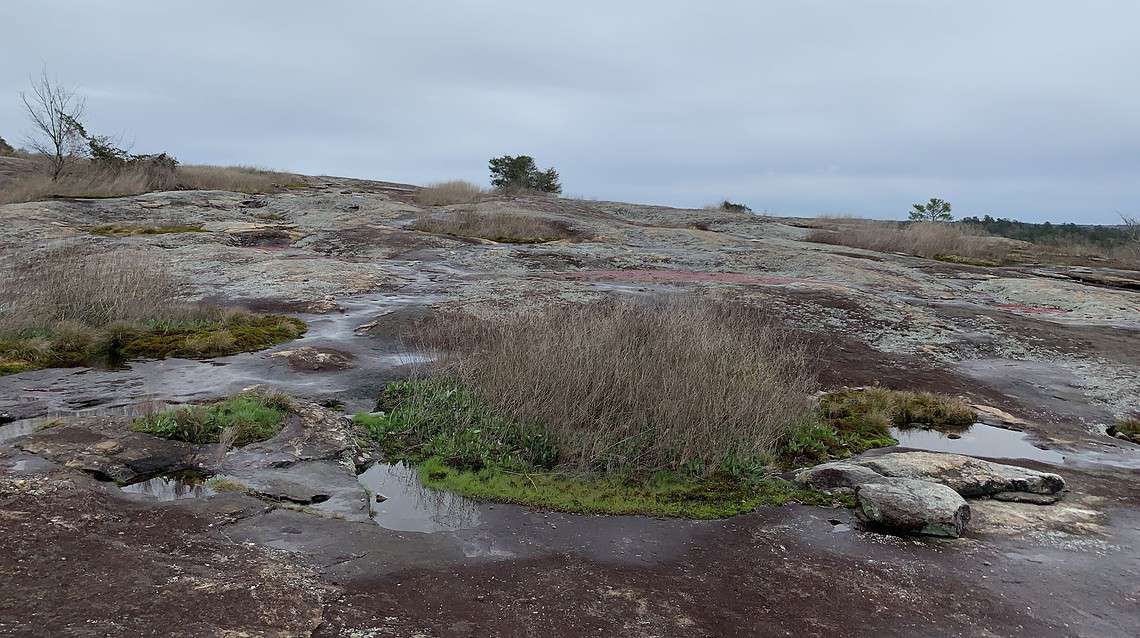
{"type": "Point", "coordinates": [1020, 108]}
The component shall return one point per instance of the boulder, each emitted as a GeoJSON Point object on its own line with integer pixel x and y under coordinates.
{"type": "Point", "coordinates": [837, 476]}
{"type": "Point", "coordinates": [911, 506]}
{"type": "Point", "coordinates": [967, 476]}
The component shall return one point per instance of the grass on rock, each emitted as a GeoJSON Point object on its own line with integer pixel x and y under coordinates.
{"type": "Point", "coordinates": [462, 445]}
{"type": "Point", "coordinates": [66, 308]}
{"type": "Point", "coordinates": [663, 408]}
{"type": "Point", "coordinates": [681, 407]}
{"type": "Point", "coordinates": [509, 228]}
{"type": "Point", "coordinates": [89, 179]}
{"type": "Point", "coordinates": [239, 420]}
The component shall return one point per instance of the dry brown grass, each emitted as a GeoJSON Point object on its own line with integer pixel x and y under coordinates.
{"type": "Point", "coordinates": [85, 179]}
{"type": "Point", "coordinates": [501, 227]}
{"type": "Point", "coordinates": [663, 384]}
{"type": "Point", "coordinates": [239, 179]}
{"type": "Point", "coordinates": [932, 240]}
{"type": "Point", "coordinates": [87, 289]}
{"type": "Point", "coordinates": [452, 192]}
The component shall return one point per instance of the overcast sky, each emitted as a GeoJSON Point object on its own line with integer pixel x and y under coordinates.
{"type": "Point", "coordinates": [1022, 108]}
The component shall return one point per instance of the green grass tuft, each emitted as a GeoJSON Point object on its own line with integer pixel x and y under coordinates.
{"type": "Point", "coordinates": [242, 419]}
{"type": "Point", "coordinates": [439, 418]}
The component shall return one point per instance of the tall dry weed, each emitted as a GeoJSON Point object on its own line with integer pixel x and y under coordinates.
{"type": "Point", "coordinates": [626, 384]}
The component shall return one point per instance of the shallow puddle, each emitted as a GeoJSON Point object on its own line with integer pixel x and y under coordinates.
{"type": "Point", "coordinates": [173, 487]}
{"type": "Point", "coordinates": [398, 501]}
{"type": "Point", "coordinates": [979, 440]}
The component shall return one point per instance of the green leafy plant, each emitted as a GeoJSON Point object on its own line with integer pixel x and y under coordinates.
{"type": "Point", "coordinates": [242, 419]}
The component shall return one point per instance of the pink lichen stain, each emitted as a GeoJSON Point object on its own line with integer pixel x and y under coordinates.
{"type": "Point", "coordinates": [681, 276]}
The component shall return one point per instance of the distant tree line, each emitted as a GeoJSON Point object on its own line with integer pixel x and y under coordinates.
{"type": "Point", "coordinates": [1050, 233]}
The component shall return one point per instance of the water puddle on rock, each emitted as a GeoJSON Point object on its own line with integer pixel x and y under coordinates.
{"type": "Point", "coordinates": [398, 501]}
{"type": "Point", "coordinates": [979, 440]}
{"type": "Point", "coordinates": [173, 487]}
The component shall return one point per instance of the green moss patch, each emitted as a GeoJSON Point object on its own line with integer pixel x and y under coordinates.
{"type": "Point", "coordinates": [661, 494]}
{"type": "Point", "coordinates": [462, 445]}
{"type": "Point", "coordinates": [66, 345]}
{"type": "Point", "coordinates": [128, 230]}
{"type": "Point", "coordinates": [853, 421]}
{"type": "Point", "coordinates": [242, 419]}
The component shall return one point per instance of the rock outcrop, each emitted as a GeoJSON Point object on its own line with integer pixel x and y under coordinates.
{"type": "Point", "coordinates": [923, 492]}
{"type": "Point", "coordinates": [966, 475]}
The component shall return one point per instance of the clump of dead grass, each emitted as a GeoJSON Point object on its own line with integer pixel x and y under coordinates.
{"type": "Point", "coordinates": [511, 228]}
{"type": "Point", "coordinates": [932, 240]}
{"type": "Point", "coordinates": [451, 192]}
{"type": "Point", "coordinates": [672, 384]}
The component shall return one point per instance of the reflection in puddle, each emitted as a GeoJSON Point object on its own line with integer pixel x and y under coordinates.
{"type": "Point", "coordinates": [173, 487]}
{"type": "Point", "coordinates": [24, 427]}
{"type": "Point", "coordinates": [408, 506]}
{"type": "Point", "coordinates": [979, 440]}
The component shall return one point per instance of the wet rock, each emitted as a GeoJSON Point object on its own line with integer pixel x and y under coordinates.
{"type": "Point", "coordinates": [966, 475]}
{"type": "Point", "coordinates": [839, 476]}
{"type": "Point", "coordinates": [912, 506]}
{"type": "Point", "coordinates": [117, 455]}
{"type": "Point", "coordinates": [312, 433]}
{"type": "Point", "coordinates": [311, 359]}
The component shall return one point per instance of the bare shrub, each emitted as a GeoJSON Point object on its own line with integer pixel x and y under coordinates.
{"type": "Point", "coordinates": [240, 179]}
{"type": "Point", "coordinates": [924, 239]}
{"type": "Point", "coordinates": [501, 227]}
{"type": "Point", "coordinates": [452, 192]}
{"type": "Point", "coordinates": [619, 384]}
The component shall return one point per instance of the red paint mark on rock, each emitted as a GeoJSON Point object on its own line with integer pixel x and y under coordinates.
{"type": "Point", "coordinates": [1031, 310]}
{"type": "Point", "coordinates": [680, 276]}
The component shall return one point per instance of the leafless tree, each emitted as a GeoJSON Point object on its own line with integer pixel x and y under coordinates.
{"type": "Point", "coordinates": [1131, 226]}
{"type": "Point", "coordinates": [55, 112]}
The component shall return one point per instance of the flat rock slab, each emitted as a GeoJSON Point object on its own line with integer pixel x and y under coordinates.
{"type": "Point", "coordinates": [913, 506]}
{"type": "Point", "coordinates": [966, 475]}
